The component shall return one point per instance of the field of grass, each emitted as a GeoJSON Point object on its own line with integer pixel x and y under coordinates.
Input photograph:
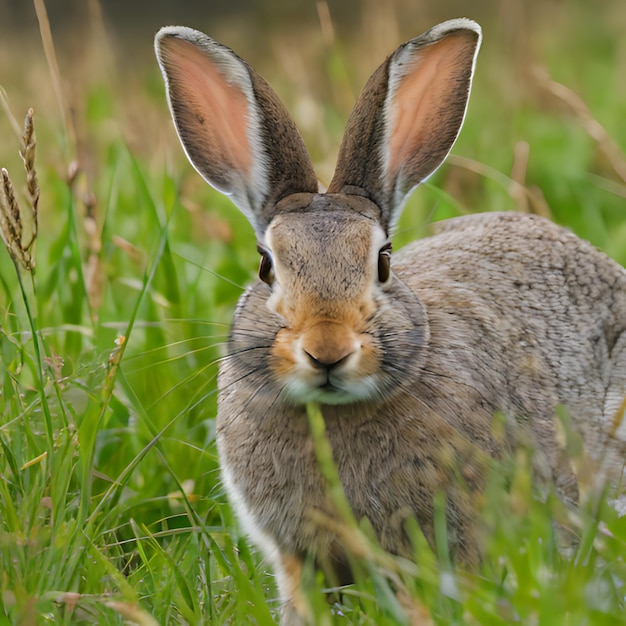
{"type": "Point", "coordinates": [111, 508]}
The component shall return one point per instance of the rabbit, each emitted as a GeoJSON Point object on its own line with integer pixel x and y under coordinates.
{"type": "Point", "coordinates": [409, 356]}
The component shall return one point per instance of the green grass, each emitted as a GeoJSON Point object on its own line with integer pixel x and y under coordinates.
{"type": "Point", "coordinates": [110, 502]}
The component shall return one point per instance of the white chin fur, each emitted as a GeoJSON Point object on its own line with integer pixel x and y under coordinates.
{"type": "Point", "coordinates": [302, 392]}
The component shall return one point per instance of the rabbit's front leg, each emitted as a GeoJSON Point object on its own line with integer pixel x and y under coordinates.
{"type": "Point", "coordinates": [295, 609]}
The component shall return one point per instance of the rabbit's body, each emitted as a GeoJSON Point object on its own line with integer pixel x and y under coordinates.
{"type": "Point", "coordinates": [410, 360]}
{"type": "Point", "coordinates": [520, 315]}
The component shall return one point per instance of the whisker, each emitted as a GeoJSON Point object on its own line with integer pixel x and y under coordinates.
{"type": "Point", "coordinates": [168, 360]}
{"type": "Point", "coordinates": [184, 382]}
{"type": "Point", "coordinates": [174, 344]}
{"type": "Point", "coordinates": [195, 321]}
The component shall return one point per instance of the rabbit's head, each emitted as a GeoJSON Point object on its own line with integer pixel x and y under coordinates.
{"type": "Point", "coordinates": [338, 327]}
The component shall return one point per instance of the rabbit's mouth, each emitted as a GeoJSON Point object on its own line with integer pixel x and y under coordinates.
{"type": "Point", "coordinates": [331, 389]}
{"type": "Point", "coordinates": [328, 393]}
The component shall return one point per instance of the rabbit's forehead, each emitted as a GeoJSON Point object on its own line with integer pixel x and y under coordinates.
{"type": "Point", "coordinates": [296, 239]}
{"type": "Point", "coordinates": [319, 230]}
{"type": "Point", "coordinates": [320, 249]}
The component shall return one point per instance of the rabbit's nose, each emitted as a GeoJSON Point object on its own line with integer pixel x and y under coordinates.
{"type": "Point", "coordinates": [327, 363]}
{"type": "Point", "coordinates": [328, 345]}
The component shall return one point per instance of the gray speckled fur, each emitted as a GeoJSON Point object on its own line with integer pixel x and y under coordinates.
{"type": "Point", "coordinates": [522, 315]}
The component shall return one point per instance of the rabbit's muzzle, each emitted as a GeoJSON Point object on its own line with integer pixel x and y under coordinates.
{"type": "Point", "coordinates": [327, 362]}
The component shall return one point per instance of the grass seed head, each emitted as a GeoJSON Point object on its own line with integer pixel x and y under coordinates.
{"type": "Point", "coordinates": [11, 223]}
{"type": "Point", "coordinates": [19, 227]}
{"type": "Point", "coordinates": [27, 153]}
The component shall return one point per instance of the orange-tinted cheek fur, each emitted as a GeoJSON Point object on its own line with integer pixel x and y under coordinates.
{"type": "Point", "coordinates": [369, 357]}
{"type": "Point", "coordinates": [283, 360]}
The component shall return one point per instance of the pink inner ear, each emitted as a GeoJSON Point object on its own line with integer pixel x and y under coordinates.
{"type": "Point", "coordinates": [219, 110]}
{"type": "Point", "coordinates": [422, 94]}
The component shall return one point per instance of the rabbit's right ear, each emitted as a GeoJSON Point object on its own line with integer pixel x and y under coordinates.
{"type": "Point", "coordinates": [408, 117]}
{"type": "Point", "coordinates": [234, 129]}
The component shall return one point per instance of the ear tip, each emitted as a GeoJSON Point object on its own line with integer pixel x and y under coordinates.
{"type": "Point", "coordinates": [165, 33]}
{"type": "Point", "coordinates": [182, 32]}
{"type": "Point", "coordinates": [462, 23]}
{"type": "Point", "coordinates": [450, 26]}
{"type": "Point", "coordinates": [168, 31]}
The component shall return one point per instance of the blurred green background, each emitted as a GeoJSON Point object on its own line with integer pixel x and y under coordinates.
{"type": "Point", "coordinates": [109, 483]}
{"type": "Point", "coordinates": [318, 54]}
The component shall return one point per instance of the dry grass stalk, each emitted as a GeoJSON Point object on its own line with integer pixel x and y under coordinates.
{"type": "Point", "coordinates": [94, 270]}
{"type": "Point", "coordinates": [536, 201]}
{"type": "Point", "coordinates": [132, 613]}
{"type": "Point", "coordinates": [53, 66]}
{"type": "Point", "coordinates": [359, 547]}
{"type": "Point", "coordinates": [7, 111]}
{"type": "Point", "coordinates": [517, 189]}
{"type": "Point", "coordinates": [19, 228]}
{"type": "Point", "coordinates": [581, 111]}
{"type": "Point", "coordinates": [326, 23]}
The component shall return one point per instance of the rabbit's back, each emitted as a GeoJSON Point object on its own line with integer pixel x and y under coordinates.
{"type": "Point", "coordinates": [534, 312]}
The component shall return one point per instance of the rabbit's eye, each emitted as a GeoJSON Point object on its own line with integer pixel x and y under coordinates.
{"type": "Point", "coordinates": [384, 263]}
{"type": "Point", "coordinates": [266, 270]}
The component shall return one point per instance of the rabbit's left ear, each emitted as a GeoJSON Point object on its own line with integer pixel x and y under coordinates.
{"type": "Point", "coordinates": [408, 116]}
{"type": "Point", "coordinates": [234, 129]}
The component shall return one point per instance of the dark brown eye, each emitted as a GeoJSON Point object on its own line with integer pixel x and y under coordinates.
{"type": "Point", "coordinates": [384, 263]}
{"type": "Point", "coordinates": [266, 270]}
